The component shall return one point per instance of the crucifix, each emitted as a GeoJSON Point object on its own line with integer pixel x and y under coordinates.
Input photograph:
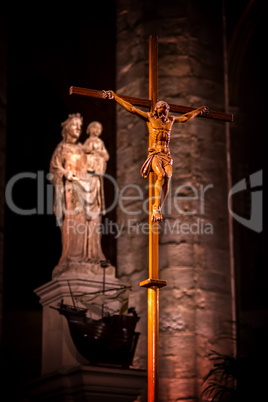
{"type": "Point", "coordinates": [158, 166]}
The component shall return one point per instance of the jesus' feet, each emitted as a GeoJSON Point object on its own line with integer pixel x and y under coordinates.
{"type": "Point", "coordinates": [156, 215]}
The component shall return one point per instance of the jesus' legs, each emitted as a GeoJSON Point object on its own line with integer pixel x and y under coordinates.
{"type": "Point", "coordinates": [161, 188]}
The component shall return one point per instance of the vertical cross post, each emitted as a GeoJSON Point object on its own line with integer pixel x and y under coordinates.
{"type": "Point", "coordinates": [153, 292]}
{"type": "Point", "coordinates": [153, 283]}
{"type": "Point", "coordinates": [153, 95]}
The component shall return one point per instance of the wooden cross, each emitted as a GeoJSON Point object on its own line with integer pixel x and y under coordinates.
{"type": "Point", "coordinates": [153, 283]}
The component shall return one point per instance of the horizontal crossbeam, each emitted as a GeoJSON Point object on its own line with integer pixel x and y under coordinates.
{"type": "Point", "coordinates": [93, 93]}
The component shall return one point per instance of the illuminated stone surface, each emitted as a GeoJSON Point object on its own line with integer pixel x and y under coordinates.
{"type": "Point", "coordinates": [195, 307]}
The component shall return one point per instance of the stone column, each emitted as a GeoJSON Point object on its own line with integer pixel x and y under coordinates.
{"type": "Point", "coordinates": [195, 307]}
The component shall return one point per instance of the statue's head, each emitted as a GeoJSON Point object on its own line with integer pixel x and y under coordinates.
{"type": "Point", "coordinates": [94, 129]}
{"type": "Point", "coordinates": [71, 128]}
{"type": "Point", "coordinates": [161, 108]}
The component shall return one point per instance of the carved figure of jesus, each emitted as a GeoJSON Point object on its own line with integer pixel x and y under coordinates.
{"type": "Point", "coordinates": [159, 160]}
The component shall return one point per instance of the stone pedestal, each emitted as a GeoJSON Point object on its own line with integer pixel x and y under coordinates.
{"type": "Point", "coordinates": [88, 269]}
{"type": "Point", "coordinates": [87, 383]}
{"type": "Point", "coordinates": [66, 375]}
{"type": "Point", "coordinates": [58, 349]}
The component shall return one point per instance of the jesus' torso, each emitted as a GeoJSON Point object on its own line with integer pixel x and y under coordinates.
{"type": "Point", "coordinates": [159, 132]}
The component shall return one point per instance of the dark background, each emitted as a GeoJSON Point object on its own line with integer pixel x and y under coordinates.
{"type": "Point", "coordinates": [48, 52]}
{"type": "Point", "coordinates": [51, 49]}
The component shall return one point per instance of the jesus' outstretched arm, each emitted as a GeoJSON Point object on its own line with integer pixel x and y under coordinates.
{"type": "Point", "coordinates": [126, 105]}
{"type": "Point", "coordinates": [203, 110]}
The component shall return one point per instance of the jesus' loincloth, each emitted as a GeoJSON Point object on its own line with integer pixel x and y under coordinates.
{"type": "Point", "coordinates": [160, 158]}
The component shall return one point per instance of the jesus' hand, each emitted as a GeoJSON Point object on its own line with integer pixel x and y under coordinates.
{"type": "Point", "coordinates": [108, 94]}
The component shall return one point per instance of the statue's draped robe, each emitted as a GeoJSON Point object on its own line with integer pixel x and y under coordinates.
{"type": "Point", "coordinates": [79, 203]}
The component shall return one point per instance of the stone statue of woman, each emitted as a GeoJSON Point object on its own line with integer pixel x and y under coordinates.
{"type": "Point", "coordinates": [77, 174]}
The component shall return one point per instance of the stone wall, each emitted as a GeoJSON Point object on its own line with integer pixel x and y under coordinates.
{"type": "Point", "coordinates": [195, 307]}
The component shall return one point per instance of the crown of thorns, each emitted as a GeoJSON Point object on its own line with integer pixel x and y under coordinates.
{"type": "Point", "coordinates": [161, 104]}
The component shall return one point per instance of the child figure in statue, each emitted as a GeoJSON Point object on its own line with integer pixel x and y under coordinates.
{"type": "Point", "coordinates": [159, 124]}
{"type": "Point", "coordinates": [95, 148]}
